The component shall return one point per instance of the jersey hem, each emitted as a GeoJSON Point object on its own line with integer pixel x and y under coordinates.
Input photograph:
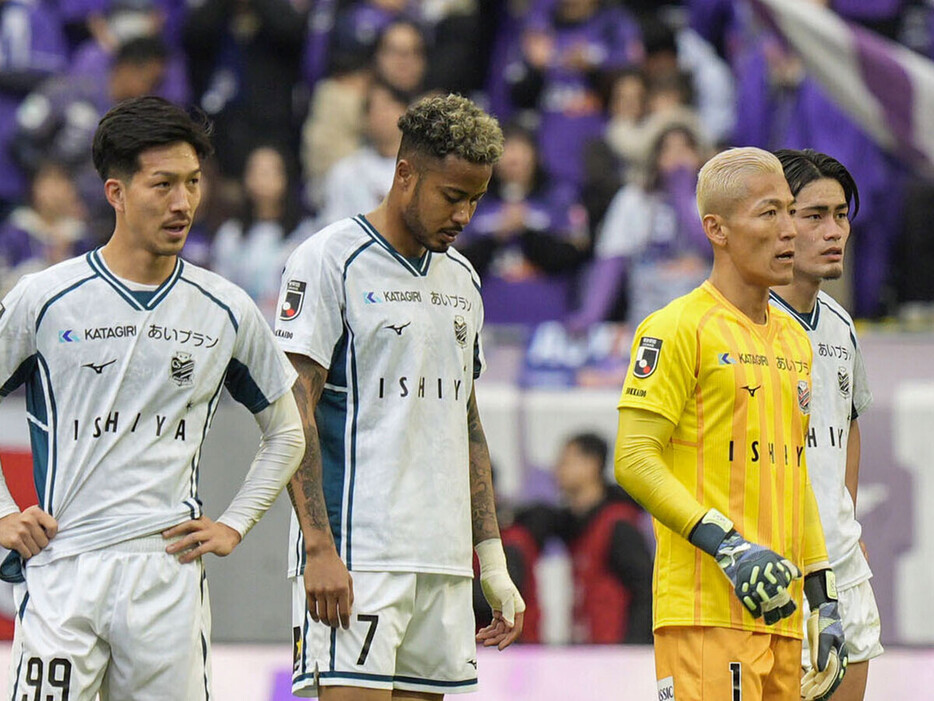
{"type": "Point", "coordinates": [402, 569]}
{"type": "Point", "coordinates": [770, 630]}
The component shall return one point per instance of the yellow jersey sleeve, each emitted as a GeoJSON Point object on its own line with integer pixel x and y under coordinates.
{"type": "Point", "coordinates": [663, 365]}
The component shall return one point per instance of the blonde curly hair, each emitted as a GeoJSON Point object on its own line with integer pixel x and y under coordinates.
{"type": "Point", "coordinates": [451, 125]}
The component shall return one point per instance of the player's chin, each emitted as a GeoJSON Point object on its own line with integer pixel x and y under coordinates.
{"type": "Point", "coordinates": [439, 245]}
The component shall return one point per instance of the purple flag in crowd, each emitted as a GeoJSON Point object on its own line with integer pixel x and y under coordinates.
{"type": "Point", "coordinates": [886, 88]}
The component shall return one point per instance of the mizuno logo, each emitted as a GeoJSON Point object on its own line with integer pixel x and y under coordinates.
{"type": "Point", "coordinates": [98, 369]}
{"type": "Point", "coordinates": [472, 663]}
{"type": "Point", "coordinates": [67, 336]}
{"type": "Point", "coordinates": [398, 329]}
{"type": "Point", "coordinates": [751, 390]}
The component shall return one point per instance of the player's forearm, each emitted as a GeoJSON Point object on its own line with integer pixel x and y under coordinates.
{"type": "Point", "coordinates": [281, 448]}
{"type": "Point", "coordinates": [642, 472]}
{"type": "Point", "coordinates": [851, 478]}
{"type": "Point", "coordinates": [482, 502]}
{"type": "Point", "coordinates": [305, 487]}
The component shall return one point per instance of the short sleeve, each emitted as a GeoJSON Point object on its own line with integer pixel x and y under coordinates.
{"type": "Point", "coordinates": [258, 372]}
{"type": "Point", "coordinates": [862, 395]}
{"type": "Point", "coordinates": [17, 338]}
{"type": "Point", "coordinates": [309, 320]}
{"type": "Point", "coordinates": [661, 375]}
{"type": "Point", "coordinates": [479, 359]}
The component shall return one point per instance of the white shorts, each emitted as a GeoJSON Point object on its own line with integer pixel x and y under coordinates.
{"type": "Point", "coordinates": [411, 631]}
{"type": "Point", "coordinates": [861, 624]}
{"type": "Point", "coordinates": [128, 621]}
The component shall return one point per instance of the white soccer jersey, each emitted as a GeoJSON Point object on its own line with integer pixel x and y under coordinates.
{"type": "Point", "coordinates": [121, 387]}
{"type": "Point", "coordinates": [401, 341]}
{"type": "Point", "coordinates": [840, 393]}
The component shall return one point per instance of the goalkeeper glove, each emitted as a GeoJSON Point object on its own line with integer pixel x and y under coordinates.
{"type": "Point", "coordinates": [825, 638]}
{"type": "Point", "coordinates": [501, 594]}
{"type": "Point", "coordinates": [760, 577]}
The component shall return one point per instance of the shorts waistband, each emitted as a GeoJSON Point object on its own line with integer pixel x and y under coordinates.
{"type": "Point", "coordinates": [153, 543]}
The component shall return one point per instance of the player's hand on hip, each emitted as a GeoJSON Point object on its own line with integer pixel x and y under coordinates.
{"type": "Point", "coordinates": [27, 532]}
{"type": "Point", "coordinates": [760, 577]}
{"type": "Point", "coordinates": [328, 588]}
{"type": "Point", "coordinates": [200, 536]}
{"type": "Point", "coordinates": [825, 638]}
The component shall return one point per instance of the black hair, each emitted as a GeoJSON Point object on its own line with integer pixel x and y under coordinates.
{"type": "Point", "coordinates": [141, 50]}
{"type": "Point", "coordinates": [804, 167]}
{"type": "Point", "coordinates": [592, 445]}
{"type": "Point", "coordinates": [142, 123]}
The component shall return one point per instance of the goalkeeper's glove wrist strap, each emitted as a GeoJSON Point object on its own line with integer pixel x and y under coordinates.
{"type": "Point", "coordinates": [711, 531]}
{"type": "Point", "coordinates": [820, 587]}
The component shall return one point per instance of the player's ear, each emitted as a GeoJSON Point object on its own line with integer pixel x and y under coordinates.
{"type": "Point", "coordinates": [115, 191]}
{"type": "Point", "coordinates": [715, 230]}
{"type": "Point", "coordinates": [406, 173]}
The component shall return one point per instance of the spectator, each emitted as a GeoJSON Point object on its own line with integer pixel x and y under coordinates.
{"type": "Point", "coordinates": [357, 184]}
{"type": "Point", "coordinates": [684, 55]}
{"type": "Point", "coordinates": [250, 249]}
{"type": "Point", "coordinates": [58, 119]}
{"type": "Point", "coordinates": [122, 21]}
{"type": "Point", "coordinates": [610, 559]}
{"type": "Point", "coordinates": [563, 43]}
{"type": "Point", "coordinates": [244, 58]}
{"type": "Point", "coordinates": [32, 48]}
{"type": "Point", "coordinates": [609, 160]}
{"type": "Point", "coordinates": [335, 125]}
{"type": "Point", "coordinates": [400, 56]}
{"type": "Point", "coordinates": [527, 238]}
{"type": "Point", "coordinates": [358, 25]}
{"type": "Point", "coordinates": [650, 243]}
{"type": "Point", "coordinates": [48, 230]}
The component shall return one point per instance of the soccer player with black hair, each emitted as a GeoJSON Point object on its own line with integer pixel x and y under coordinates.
{"type": "Point", "coordinates": [826, 201]}
{"type": "Point", "coordinates": [123, 353]}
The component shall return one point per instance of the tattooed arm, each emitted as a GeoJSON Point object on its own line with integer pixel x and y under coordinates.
{"type": "Point", "coordinates": [328, 584]}
{"type": "Point", "coordinates": [482, 503]}
{"type": "Point", "coordinates": [499, 590]}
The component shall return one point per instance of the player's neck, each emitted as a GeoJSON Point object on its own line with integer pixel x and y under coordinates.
{"type": "Point", "coordinates": [389, 223]}
{"type": "Point", "coordinates": [136, 264]}
{"type": "Point", "coordinates": [751, 300]}
{"type": "Point", "coordinates": [800, 294]}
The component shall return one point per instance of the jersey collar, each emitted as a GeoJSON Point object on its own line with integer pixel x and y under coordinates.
{"type": "Point", "coordinates": [419, 270]}
{"type": "Point", "coordinates": [96, 261]}
{"type": "Point", "coordinates": [808, 321]}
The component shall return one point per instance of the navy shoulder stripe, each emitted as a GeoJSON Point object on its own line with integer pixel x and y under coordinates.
{"type": "Point", "coordinates": [58, 296]}
{"type": "Point", "coordinates": [465, 267]}
{"type": "Point", "coordinates": [233, 319]}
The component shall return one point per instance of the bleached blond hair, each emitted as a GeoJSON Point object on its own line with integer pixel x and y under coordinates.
{"type": "Point", "coordinates": [721, 182]}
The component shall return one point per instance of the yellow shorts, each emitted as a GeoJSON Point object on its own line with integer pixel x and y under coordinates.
{"type": "Point", "coordinates": [722, 664]}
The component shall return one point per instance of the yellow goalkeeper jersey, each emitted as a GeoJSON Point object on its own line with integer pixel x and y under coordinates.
{"type": "Point", "coordinates": [739, 394]}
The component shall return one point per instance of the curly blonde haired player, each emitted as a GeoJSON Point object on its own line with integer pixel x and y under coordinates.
{"type": "Point", "coordinates": [713, 423]}
{"type": "Point", "coordinates": [382, 319]}
{"type": "Point", "coordinates": [826, 200]}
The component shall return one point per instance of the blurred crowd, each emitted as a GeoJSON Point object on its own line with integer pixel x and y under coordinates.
{"type": "Point", "coordinates": [609, 108]}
